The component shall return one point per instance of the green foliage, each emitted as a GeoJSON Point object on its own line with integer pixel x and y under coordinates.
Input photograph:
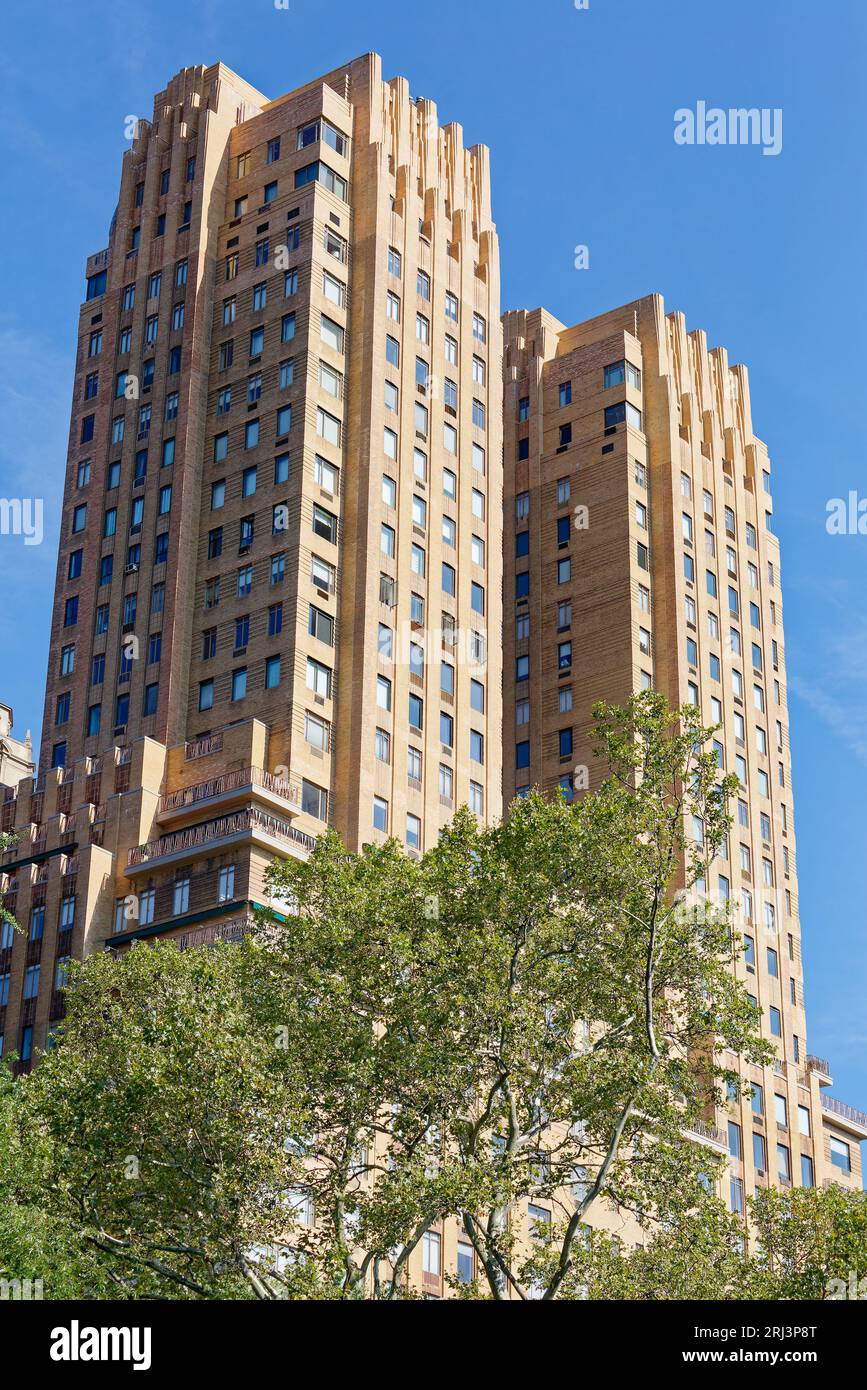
{"type": "Point", "coordinates": [810, 1237]}
{"type": "Point", "coordinates": [33, 1244]}
{"type": "Point", "coordinates": [529, 1013]}
{"type": "Point", "coordinates": [804, 1239]}
{"type": "Point", "coordinates": [698, 1254]}
{"type": "Point", "coordinates": [153, 1135]}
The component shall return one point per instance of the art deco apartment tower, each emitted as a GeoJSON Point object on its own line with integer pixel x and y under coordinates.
{"type": "Point", "coordinates": [640, 551]}
{"type": "Point", "coordinates": [281, 539]}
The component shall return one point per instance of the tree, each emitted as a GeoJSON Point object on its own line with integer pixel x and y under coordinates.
{"type": "Point", "coordinates": [153, 1136]}
{"type": "Point", "coordinates": [35, 1250]}
{"type": "Point", "coordinates": [699, 1253]}
{"type": "Point", "coordinates": [529, 1013]}
{"type": "Point", "coordinates": [807, 1244]}
{"type": "Point", "coordinates": [338, 985]}
{"type": "Point", "coordinates": [813, 1242]}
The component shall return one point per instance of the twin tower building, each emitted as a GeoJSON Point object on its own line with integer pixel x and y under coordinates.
{"type": "Point", "coordinates": [343, 545]}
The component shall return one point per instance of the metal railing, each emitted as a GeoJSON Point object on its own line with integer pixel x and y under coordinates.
{"type": "Point", "coordinates": [710, 1133]}
{"type": "Point", "coordinates": [217, 931]}
{"type": "Point", "coordinates": [846, 1112]}
{"type": "Point", "coordinates": [195, 835]}
{"type": "Point", "coordinates": [228, 782]}
{"type": "Point", "coordinates": [819, 1064]}
{"type": "Point", "coordinates": [200, 747]}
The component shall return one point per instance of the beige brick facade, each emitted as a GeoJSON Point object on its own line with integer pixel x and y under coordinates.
{"type": "Point", "coordinates": [280, 552]}
{"type": "Point", "coordinates": [639, 549]}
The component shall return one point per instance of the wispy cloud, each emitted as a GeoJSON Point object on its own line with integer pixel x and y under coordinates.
{"type": "Point", "coordinates": [837, 699]}
{"type": "Point", "coordinates": [35, 382]}
{"type": "Point", "coordinates": [838, 711]}
{"type": "Point", "coordinates": [34, 406]}
{"type": "Point", "coordinates": [130, 37]}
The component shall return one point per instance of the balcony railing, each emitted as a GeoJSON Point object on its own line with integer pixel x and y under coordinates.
{"type": "Point", "coordinates": [201, 747]}
{"type": "Point", "coordinates": [226, 826]}
{"type": "Point", "coordinates": [819, 1065]}
{"type": "Point", "coordinates": [845, 1112]}
{"type": "Point", "coordinates": [217, 931]}
{"type": "Point", "coordinates": [229, 782]}
{"type": "Point", "coordinates": [709, 1134]}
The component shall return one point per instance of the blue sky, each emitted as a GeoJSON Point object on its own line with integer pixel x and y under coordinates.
{"type": "Point", "coordinates": [765, 253]}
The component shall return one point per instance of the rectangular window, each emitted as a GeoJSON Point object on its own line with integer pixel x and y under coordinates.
{"type": "Point", "coordinates": [317, 732]}
{"type": "Point", "coordinates": [840, 1154]}
{"type": "Point", "coordinates": [181, 896]}
{"type": "Point", "coordinates": [318, 678]}
{"type": "Point", "coordinates": [226, 884]}
{"type": "Point", "coordinates": [314, 800]}
{"type": "Point", "coordinates": [322, 173]}
{"type": "Point", "coordinates": [331, 333]}
{"type": "Point", "coordinates": [760, 1158]}
{"type": "Point", "coordinates": [430, 1252]}
{"type": "Point", "coordinates": [321, 625]}
{"type": "Point", "coordinates": [333, 289]}
{"type": "Point", "coordinates": [324, 524]}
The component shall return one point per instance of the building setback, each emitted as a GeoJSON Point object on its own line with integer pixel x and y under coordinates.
{"type": "Point", "coordinates": [640, 552]}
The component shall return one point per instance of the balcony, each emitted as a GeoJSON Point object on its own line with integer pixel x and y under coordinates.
{"type": "Point", "coordinates": [202, 747]}
{"type": "Point", "coordinates": [245, 782]}
{"type": "Point", "coordinates": [855, 1121]}
{"type": "Point", "coordinates": [250, 824]}
{"type": "Point", "coordinates": [217, 931]}
{"type": "Point", "coordinates": [708, 1135]}
{"type": "Point", "coordinates": [822, 1070]}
